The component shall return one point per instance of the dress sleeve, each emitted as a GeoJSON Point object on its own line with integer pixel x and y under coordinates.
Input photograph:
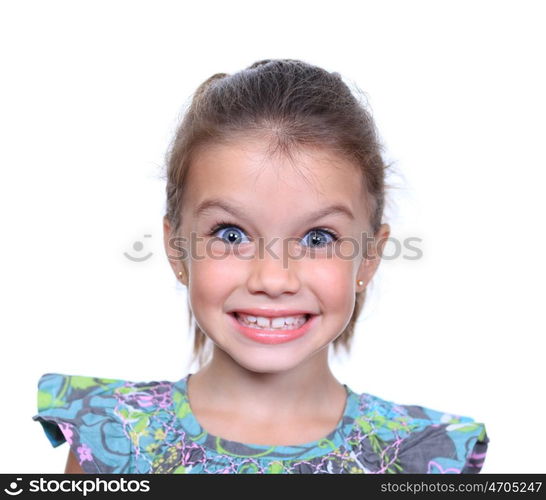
{"type": "Point", "coordinates": [443, 443]}
{"type": "Point", "coordinates": [83, 412]}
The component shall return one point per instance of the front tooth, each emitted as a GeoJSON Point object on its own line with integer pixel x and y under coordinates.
{"type": "Point", "coordinates": [264, 322]}
{"type": "Point", "coordinates": [277, 323]}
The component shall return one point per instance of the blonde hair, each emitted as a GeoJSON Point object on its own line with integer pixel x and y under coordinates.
{"type": "Point", "coordinates": [300, 104]}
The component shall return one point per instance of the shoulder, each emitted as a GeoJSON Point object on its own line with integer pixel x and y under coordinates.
{"type": "Point", "coordinates": [59, 393]}
{"type": "Point", "coordinates": [100, 418]}
{"type": "Point", "coordinates": [406, 438]}
{"type": "Point", "coordinates": [56, 389]}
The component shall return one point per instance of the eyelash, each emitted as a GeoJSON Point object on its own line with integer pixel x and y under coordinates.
{"type": "Point", "coordinates": [224, 224]}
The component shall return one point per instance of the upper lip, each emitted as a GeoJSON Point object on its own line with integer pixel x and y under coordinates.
{"type": "Point", "coordinates": [272, 313]}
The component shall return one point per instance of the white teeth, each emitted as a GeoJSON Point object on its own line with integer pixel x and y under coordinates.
{"type": "Point", "coordinates": [280, 323]}
{"type": "Point", "coordinates": [277, 322]}
{"type": "Point", "coordinates": [263, 322]}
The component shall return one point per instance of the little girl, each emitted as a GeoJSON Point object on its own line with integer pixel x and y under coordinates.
{"type": "Point", "coordinates": [275, 196]}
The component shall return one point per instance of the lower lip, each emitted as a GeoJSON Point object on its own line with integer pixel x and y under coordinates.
{"type": "Point", "coordinates": [273, 336]}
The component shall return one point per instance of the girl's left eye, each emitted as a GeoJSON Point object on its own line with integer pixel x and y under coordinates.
{"type": "Point", "coordinates": [315, 240]}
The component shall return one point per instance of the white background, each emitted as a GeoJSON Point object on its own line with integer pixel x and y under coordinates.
{"type": "Point", "coordinates": [90, 95]}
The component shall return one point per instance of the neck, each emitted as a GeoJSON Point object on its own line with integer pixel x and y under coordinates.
{"type": "Point", "coordinates": [306, 390]}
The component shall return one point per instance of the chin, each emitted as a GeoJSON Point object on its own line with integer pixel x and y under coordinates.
{"type": "Point", "coordinates": [267, 362]}
{"type": "Point", "coordinates": [273, 360]}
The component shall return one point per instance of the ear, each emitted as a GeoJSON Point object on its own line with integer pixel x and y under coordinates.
{"type": "Point", "coordinates": [175, 252]}
{"type": "Point", "coordinates": [372, 256]}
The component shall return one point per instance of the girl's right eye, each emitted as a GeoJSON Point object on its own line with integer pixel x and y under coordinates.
{"type": "Point", "coordinates": [233, 235]}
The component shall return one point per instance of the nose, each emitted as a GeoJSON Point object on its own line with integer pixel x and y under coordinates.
{"type": "Point", "coordinates": [273, 270]}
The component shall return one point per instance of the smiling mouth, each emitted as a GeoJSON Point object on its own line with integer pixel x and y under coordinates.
{"type": "Point", "coordinates": [286, 327]}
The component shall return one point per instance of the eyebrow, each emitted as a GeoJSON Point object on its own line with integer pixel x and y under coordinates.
{"type": "Point", "coordinates": [238, 211]}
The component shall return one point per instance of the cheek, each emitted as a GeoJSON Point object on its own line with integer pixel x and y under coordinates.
{"type": "Point", "coordinates": [212, 279]}
{"type": "Point", "coordinates": [209, 286]}
{"type": "Point", "coordinates": [331, 279]}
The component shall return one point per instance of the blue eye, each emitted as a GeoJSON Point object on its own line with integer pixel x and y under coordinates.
{"type": "Point", "coordinates": [317, 239]}
{"type": "Point", "coordinates": [232, 234]}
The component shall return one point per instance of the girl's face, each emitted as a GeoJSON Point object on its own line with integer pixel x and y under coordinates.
{"type": "Point", "coordinates": [276, 249]}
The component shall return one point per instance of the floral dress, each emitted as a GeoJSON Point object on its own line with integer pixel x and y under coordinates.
{"type": "Point", "coordinates": [117, 426]}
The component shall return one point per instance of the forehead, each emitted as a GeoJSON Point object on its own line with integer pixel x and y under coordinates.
{"type": "Point", "coordinates": [269, 183]}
